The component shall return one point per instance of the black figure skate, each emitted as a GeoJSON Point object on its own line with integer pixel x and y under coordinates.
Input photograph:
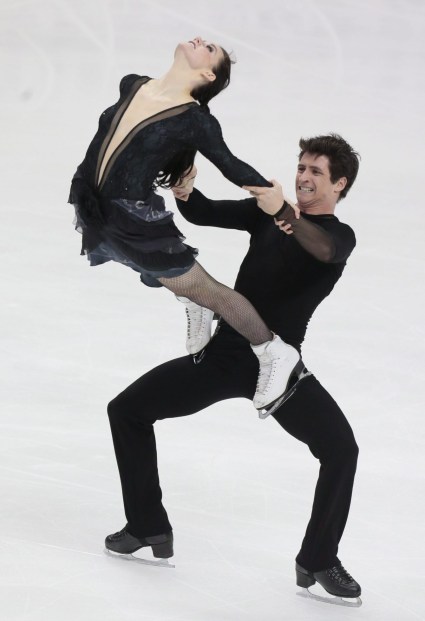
{"type": "Point", "coordinates": [123, 544]}
{"type": "Point", "coordinates": [336, 581]}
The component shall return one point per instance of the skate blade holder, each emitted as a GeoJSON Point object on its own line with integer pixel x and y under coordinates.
{"type": "Point", "coordinates": [335, 600]}
{"type": "Point", "coordinates": [160, 562]}
{"type": "Point", "coordinates": [263, 413]}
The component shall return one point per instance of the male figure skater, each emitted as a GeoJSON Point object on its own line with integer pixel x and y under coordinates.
{"type": "Point", "coordinates": [295, 257]}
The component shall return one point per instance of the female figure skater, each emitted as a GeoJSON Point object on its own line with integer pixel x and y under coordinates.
{"type": "Point", "coordinates": [149, 138]}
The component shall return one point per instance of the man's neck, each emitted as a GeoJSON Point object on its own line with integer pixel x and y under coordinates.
{"type": "Point", "coordinates": [318, 210]}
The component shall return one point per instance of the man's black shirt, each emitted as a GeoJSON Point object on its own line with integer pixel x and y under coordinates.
{"type": "Point", "coordinates": [280, 277]}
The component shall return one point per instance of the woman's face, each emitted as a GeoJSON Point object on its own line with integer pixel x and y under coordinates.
{"type": "Point", "coordinates": [201, 54]}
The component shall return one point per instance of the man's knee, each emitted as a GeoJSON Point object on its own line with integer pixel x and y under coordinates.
{"type": "Point", "coordinates": [351, 450]}
{"type": "Point", "coordinates": [339, 449]}
{"type": "Point", "coordinates": [120, 408]}
{"type": "Point", "coordinates": [346, 450]}
{"type": "Point", "coordinates": [114, 410]}
{"type": "Point", "coordinates": [124, 409]}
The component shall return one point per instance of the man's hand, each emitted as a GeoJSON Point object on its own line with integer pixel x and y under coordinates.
{"type": "Point", "coordinates": [185, 187]}
{"type": "Point", "coordinates": [270, 200]}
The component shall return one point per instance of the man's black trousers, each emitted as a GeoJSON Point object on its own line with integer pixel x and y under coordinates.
{"type": "Point", "coordinates": [229, 369]}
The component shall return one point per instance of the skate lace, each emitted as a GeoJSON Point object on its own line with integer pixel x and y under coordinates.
{"type": "Point", "coordinates": [195, 321]}
{"type": "Point", "coordinates": [119, 535]}
{"type": "Point", "coordinates": [340, 575]}
{"type": "Point", "coordinates": [264, 376]}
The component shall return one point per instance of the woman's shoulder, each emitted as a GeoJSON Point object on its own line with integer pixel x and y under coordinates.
{"type": "Point", "coordinates": [128, 80]}
{"type": "Point", "coordinates": [202, 115]}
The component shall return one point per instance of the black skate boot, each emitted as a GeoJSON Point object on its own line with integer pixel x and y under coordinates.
{"type": "Point", "coordinates": [124, 543]}
{"type": "Point", "coordinates": [336, 581]}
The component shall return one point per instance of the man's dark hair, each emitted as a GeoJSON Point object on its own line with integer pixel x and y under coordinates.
{"type": "Point", "coordinates": [343, 160]}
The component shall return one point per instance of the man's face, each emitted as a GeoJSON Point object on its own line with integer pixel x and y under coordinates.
{"type": "Point", "coordinates": [313, 183]}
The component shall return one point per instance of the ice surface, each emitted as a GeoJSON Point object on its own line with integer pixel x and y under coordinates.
{"type": "Point", "coordinates": [238, 490]}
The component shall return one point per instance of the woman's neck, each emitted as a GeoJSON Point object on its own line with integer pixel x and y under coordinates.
{"type": "Point", "coordinates": [176, 84]}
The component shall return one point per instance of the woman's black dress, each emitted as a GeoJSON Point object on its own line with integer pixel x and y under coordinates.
{"type": "Point", "coordinates": [119, 215]}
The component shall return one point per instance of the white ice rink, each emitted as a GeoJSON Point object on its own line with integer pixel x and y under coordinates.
{"type": "Point", "coordinates": [238, 491]}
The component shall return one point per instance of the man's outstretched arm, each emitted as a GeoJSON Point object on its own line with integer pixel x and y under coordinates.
{"type": "Point", "coordinates": [200, 210]}
{"type": "Point", "coordinates": [330, 241]}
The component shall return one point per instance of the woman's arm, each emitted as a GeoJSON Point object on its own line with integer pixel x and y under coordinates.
{"type": "Point", "coordinates": [207, 138]}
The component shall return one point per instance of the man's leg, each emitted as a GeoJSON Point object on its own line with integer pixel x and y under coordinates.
{"type": "Point", "coordinates": [177, 388]}
{"type": "Point", "coordinates": [313, 417]}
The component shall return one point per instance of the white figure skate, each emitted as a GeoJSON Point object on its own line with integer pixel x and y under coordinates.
{"type": "Point", "coordinates": [279, 364]}
{"type": "Point", "coordinates": [199, 322]}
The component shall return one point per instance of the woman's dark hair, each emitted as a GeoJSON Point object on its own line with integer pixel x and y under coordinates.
{"type": "Point", "coordinates": [206, 92]}
{"type": "Point", "coordinates": [343, 160]}
{"type": "Point", "coordinates": [182, 163]}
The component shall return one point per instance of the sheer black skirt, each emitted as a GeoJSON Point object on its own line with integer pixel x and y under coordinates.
{"type": "Point", "coordinates": [140, 234]}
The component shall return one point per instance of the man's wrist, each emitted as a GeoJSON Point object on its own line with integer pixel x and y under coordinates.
{"type": "Point", "coordinates": [279, 214]}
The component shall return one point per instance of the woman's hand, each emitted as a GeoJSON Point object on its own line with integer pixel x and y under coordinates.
{"type": "Point", "coordinates": [270, 200]}
{"type": "Point", "coordinates": [284, 226]}
{"type": "Point", "coordinates": [185, 187]}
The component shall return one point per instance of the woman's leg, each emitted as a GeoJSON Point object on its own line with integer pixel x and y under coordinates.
{"type": "Point", "coordinates": [236, 310]}
{"type": "Point", "coordinates": [278, 361]}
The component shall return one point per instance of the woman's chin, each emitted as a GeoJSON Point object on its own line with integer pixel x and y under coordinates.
{"type": "Point", "coordinates": [182, 47]}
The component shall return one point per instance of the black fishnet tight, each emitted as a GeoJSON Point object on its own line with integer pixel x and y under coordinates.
{"type": "Point", "coordinates": [203, 289]}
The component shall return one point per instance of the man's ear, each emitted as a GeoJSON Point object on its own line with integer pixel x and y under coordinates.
{"type": "Point", "coordinates": [340, 184]}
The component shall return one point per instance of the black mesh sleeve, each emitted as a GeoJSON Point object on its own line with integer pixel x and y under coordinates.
{"type": "Point", "coordinates": [330, 241]}
{"type": "Point", "coordinates": [208, 139]}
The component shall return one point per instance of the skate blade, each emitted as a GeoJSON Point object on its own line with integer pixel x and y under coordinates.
{"type": "Point", "coordinates": [335, 600]}
{"type": "Point", "coordinates": [199, 356]}
{"type": "Point", "coordinates": [161, 562]}
{"type": "Point", "coordinates": [263, 413]}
